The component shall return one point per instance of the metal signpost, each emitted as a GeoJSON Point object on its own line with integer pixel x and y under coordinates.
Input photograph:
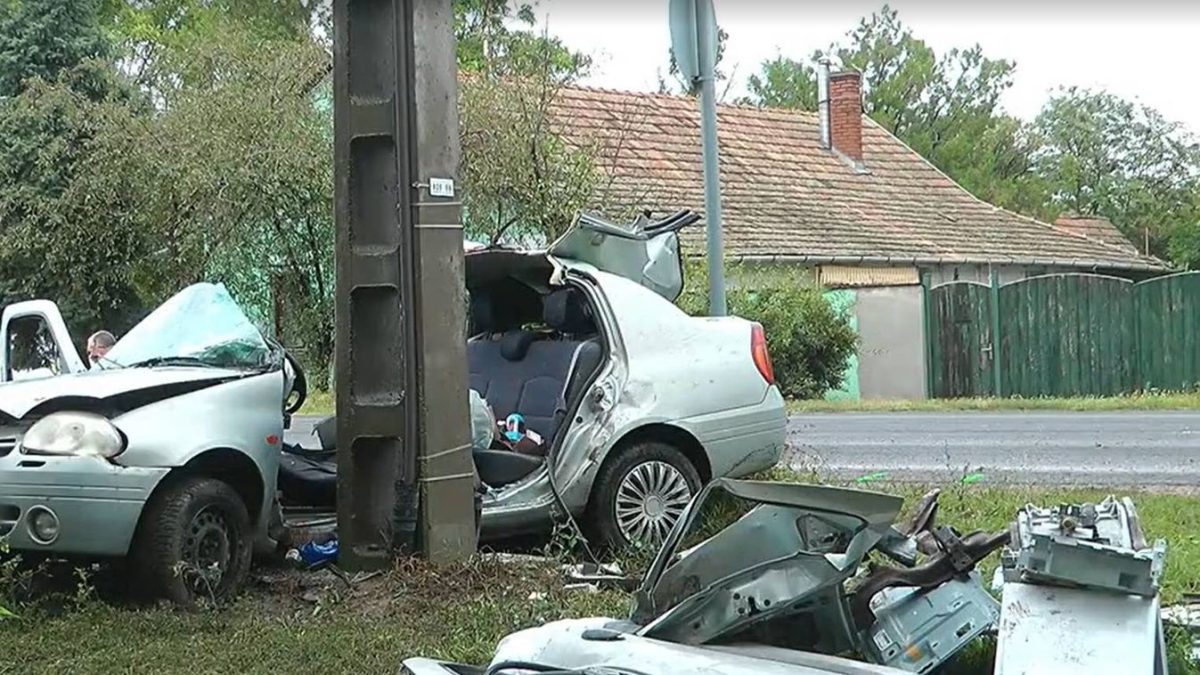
{"type": "Point", "coordinates": [405, 480]}
{"type": "Point", "coordinates": [694, 44]}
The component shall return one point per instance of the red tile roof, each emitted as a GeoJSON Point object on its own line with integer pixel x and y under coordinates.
{"type": "Point", "coordinates": [786, 198]}
{"type": "Point", "coordinates": [1095, 227]}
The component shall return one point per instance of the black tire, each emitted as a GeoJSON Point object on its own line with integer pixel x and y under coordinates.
{"type": "Point", "coordinates": [602, 507]}
{"type": "Point", "coordinates": [194, 542]}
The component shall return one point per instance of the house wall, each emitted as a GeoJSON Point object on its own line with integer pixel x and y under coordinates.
{"type": "Point", "coordinates": [891, 352]}
{"type": "Point", "coordinates": [844, 300]}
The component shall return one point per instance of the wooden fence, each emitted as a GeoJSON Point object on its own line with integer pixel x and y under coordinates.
{"type": "Point", "coordinates": [1064, 335]}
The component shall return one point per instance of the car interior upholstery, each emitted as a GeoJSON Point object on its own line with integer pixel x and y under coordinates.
{"type": "Point", "coordinates": [536, 369]}
{"type": "Point", "coordinates": [533, 352]}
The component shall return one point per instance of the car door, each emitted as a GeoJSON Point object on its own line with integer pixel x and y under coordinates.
{"type": "Point", "coordinates": [35, 342]}
{"type": "Point", "coordinates": [645, 251]}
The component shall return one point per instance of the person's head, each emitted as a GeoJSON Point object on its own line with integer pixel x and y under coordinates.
{"type": "Point", "coordinates": [99, 344]}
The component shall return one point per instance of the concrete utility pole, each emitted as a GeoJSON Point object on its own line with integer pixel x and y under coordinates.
{"type": "Point", "coordinates": [405, 480]}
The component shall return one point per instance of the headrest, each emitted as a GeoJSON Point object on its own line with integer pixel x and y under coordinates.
{"type": "Point", "coordinates": [566, 311]}
{"type": "Point", "coordinates": [483, 314]}
{"type": "Point", "coordinates": [515, 344]}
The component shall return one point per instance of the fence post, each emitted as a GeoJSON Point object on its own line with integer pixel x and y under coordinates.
{"type": "Point", "coordinates": [997, 388]}
{"type": "Point", "coordinates": [1135, 364]}
{"type": "Point", "coordinates": [927, 327]}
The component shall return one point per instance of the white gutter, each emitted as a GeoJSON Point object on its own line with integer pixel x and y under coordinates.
{"type": "Point", "coordinates": [946, 260]}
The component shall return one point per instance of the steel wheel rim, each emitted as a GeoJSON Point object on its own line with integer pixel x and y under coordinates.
{"type": "Point", "coordinates": [650, 499]}
{"type": "Point", "coordinates": [208, 549]}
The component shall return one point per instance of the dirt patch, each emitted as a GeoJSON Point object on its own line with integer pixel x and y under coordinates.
{"type": "Point", "coordinates": [412, 584]}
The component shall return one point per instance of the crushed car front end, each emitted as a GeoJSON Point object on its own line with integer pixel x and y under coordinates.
{"type": "Point", "coordinates": [182, 420]}
{"type": "Point", "coordinates": [82, 506]}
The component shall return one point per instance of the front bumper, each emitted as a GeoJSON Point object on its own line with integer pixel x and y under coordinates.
{"type": "Point", "coordinates": [97, 503]}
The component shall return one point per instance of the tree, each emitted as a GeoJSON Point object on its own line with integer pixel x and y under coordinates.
{"type": "Point", "coordinates": [521, 180]}
{"type": "Point", "coordinates": [495, 37]}
{"type": "Point", "coordinates": [942, 107]}
{"type": "Point", "coordinates": [1103, 155]}
{"type": "Point", "coordinates": [51, 244]}
{"type": "Point", "coordinates": [41, 38]}
{"type": "Point", "coordinates": [144, 30]}
{"type": "Point", "coordinates": [56, 96]}
{"type": "Point", "coordinates": [783, 83]}
{"type": "Point", "coordinates": [681, 85]}
{"type": "Point", "coordinates": [231, 177]}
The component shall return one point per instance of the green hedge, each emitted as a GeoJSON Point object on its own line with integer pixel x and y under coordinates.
{"type": "Point", "coordinates": [810, 341]}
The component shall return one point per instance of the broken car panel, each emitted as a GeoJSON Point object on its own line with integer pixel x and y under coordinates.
{"type": "Point", "coordinates": [644, 251]}
{"type": "Point", "coordinates": [1080, 593]}
{"type": "Point", "coordinates": [770, 578]}
{"type": "Point", "coordinates": [774, 584]}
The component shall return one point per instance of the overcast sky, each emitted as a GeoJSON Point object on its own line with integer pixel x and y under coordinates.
{"type": "Point", "coordinates": [1148, 50]}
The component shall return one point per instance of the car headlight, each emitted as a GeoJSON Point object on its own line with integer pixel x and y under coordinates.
{"type": "Point", "coordinates": [73, 433]}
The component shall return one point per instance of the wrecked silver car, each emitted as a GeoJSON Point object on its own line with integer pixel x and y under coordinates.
{"type": "Point", "coordinates": [771, 578]}
{"type": "Point", "coordinates": [621, 405]}
{"type": "Point", "coordinates": [767, 577]}
{"type": "Point", "coordinates": [166, 454]}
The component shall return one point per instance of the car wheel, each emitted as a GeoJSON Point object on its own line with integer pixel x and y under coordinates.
{"type": "Point", "coordinates": [640, 493]}
{"type": "Point", "coordinates": [194, 542]}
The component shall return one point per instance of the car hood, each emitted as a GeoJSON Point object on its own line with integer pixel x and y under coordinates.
{"type": "Point", "coordinates": [18, 399]}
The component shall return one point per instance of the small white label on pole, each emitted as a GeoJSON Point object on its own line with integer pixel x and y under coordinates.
{"type": "Point", "coordinates": [441, 187]}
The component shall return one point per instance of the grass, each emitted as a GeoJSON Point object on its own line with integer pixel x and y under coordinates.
{"type": "Point", "coordinates": [1189, 401]}
{"type": "Point", "coordinates": [318, 404]}
{"type": "Point", "coordinates": [321, 403]}
{"type": "Point", "coordinates": [459, 613]}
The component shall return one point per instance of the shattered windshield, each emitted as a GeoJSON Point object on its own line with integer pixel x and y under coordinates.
{"type": "Point", "coordinates": [200, 326]}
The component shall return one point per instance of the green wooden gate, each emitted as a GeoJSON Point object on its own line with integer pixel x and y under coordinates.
{"type": "Point", "coordinates": [961, 345]}
{"type": "Point", "coordinates": [1064, 335]}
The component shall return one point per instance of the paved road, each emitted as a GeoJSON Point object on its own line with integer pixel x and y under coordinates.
{"type": "Point", "coordinates": [1127, 449]}
{"type": "Point", "coordinates": [1153, 450]}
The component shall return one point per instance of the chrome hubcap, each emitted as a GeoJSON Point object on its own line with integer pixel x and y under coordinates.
{"type": "Point", "coordinates": [649, 501]}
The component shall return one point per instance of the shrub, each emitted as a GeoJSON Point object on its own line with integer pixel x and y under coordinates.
{"type": "Point", "coordinates": [809, 340]}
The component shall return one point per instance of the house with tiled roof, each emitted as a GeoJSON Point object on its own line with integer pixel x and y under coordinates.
{"type": "Point", "coordinates": [1096, 228]}
{"type": "Point", "coordinates": [831, 197]}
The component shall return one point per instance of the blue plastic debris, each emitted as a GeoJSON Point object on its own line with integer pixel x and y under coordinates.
{"type": "Point", "coordinates": [313, 554]}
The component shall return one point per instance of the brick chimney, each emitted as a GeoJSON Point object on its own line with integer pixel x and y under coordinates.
{"type": "Point", "coordinates": [841, 113]}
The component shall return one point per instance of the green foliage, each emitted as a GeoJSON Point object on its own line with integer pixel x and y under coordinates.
{"type": "Point", "coordinates": [54, 243]}
{"type": "Point", "coordinates": [783, 83]}
{"type": "Point", "coordinates": [1102, 155]}
{"type": "Point", "coordinates": [495, 37]}
{"type": "Point", "coordinates": [1184, 243]}
{"type": "Point", "coordinates": [810, 342]}
{"type": "Point", "coordinates": [41, 38]}
{"type": "Point", "coordinates": [232, 178]}
{"type": "Point", "coordinates": [521, 181]}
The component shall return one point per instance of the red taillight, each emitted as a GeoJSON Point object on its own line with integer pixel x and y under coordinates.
{"type": "Point", "coordinates": [762, 357]}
